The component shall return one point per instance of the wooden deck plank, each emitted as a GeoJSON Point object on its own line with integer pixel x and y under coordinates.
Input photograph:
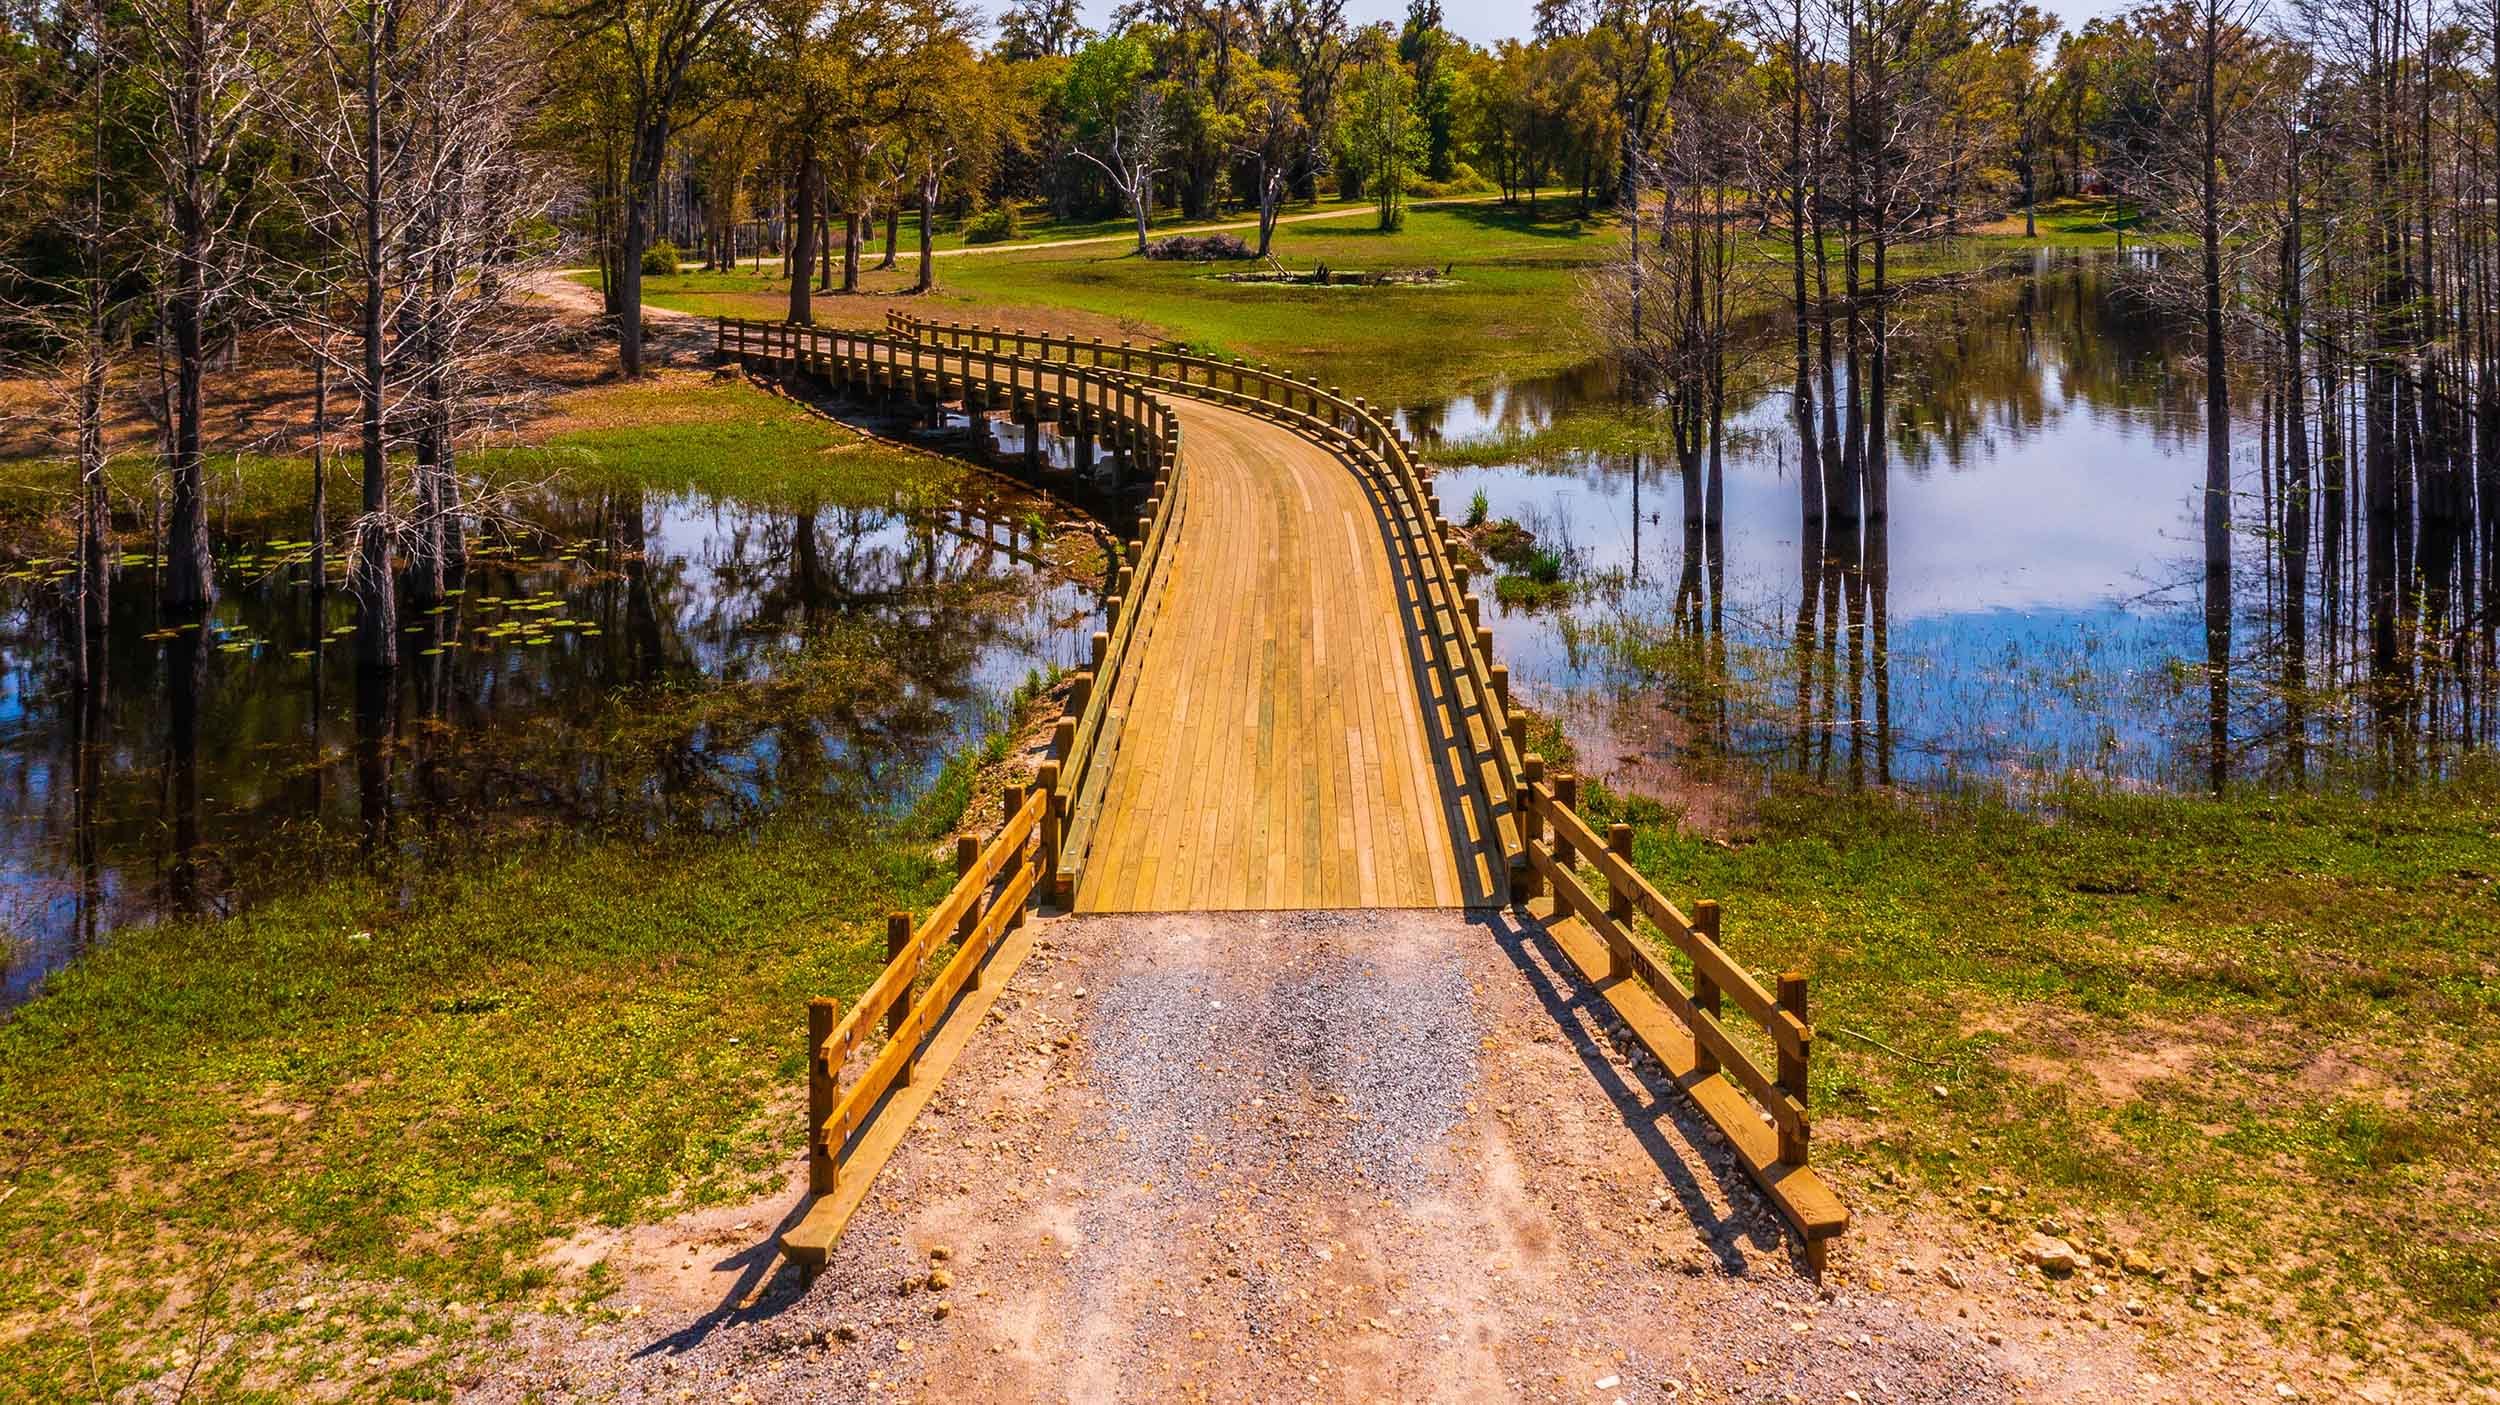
{"type": "Point", "coordinates": [1282, 744]}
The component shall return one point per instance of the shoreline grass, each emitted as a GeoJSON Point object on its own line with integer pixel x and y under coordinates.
{"type": "Point", "coordinates": [2245, 1038]}
{"type": "Point", "coordinates": [345, 1125]}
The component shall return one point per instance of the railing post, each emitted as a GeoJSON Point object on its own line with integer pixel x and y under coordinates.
{"type": "Point", "coordinates": [1046, 780]}
{"type": "Point", "coordinates": [823, 1013]}
{"type": "Point", "coordinates": [1566, 796]}
{"type": "Point", "coordinates": [1501, 688]}
{"type": "Point", "coordinates": [1705, 990]}
{"type": "Point", "coordinates": [1013, 801]}
{"type": "Point", "coordinates": [968, 853]}
{"type": "Point", "coordinates": [898, 937]}
{"type": "Point", "coordinates": [1618, 902]}
{"type": "Point", "coordinates": [1794, 1147]}
{"type": "Point", "coordinates": [1527, 881]}
{"type": "Point", "coordinates": [1102, 646]}
{"type": "Point", "coordinates": [1080, 692]}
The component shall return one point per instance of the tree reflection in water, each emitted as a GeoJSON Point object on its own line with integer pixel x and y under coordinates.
{"type": "Point", "coordinates": [721, 662]}
{"type": "Point", "coordinates": [2069, 599]}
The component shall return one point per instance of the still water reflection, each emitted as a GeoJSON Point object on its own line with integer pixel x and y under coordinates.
{"type": "Point", "coordinates": [578, 681]}
{"type": "Point", "coordinates": [2031, 605]}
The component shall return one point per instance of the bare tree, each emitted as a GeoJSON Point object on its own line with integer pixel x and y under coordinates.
{"type": "Point", "coordinates": [196, 62]}
{"type": "Point", "coordinates": [410, 114]}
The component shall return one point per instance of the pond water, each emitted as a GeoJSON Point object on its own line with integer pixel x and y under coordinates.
{"type": "Point", "coordinates": [578, 681]}
{"type": "Point", "coordinates": [2032, 606]}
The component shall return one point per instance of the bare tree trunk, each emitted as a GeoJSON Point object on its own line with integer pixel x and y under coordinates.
{"type": "Point", "coordinates": [928, 235]}
{"type": "Point", "coordinates": [189, 588]}
{"type": "Point", "coordinates": [641, 181]}
{"type": "Point", "coordinates": [1809, 464]}
{"type": "Point", "coordinates": [377, 632]}
{"type": "Point", "coordinates": [2217, 423]}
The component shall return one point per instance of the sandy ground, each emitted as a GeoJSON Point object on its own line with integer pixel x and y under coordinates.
{"type": "Point", "coordinates": [1311, 1156]}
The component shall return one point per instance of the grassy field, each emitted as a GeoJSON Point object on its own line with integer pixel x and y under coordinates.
{"type": "Point", "coordinates": [2248, 1038]}
{"type": "Point", "coordinates": [680, 431]}
{"type": "Point", "coordinates": [1510, 305]}
{"type": "Point", "coordinates": [334, 1134]}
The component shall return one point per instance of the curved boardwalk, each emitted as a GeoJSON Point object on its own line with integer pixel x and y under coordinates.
{"type": "Point", "coordinates": [1277, 748]}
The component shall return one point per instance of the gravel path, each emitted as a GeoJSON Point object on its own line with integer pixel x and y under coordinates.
{"type": "Point", "coordinates": [1325, 1156]}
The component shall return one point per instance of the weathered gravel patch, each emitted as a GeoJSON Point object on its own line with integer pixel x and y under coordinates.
{"type": "Point", "coordinates": [1315, 1156]}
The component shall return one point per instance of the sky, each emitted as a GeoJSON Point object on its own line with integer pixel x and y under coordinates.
{"type": "Point", "coordinates": [1486, 21]}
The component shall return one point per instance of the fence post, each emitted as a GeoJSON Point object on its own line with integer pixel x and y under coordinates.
{"type": "Point", "coordinates": [1014, 804]}
{"type": "Point", "coordinates": [823, 1013]}
{"type": "Point", "coordinates": [1527, 881]}
{"type": "Point", "coordinates": [968, 853]}
{"type": "Point", "coordinates": [1705, 990]}
{"type": "Point", "coordinates": [897, 937]}
{"type": "Point", "coordinates": [1046, 780]}
{"type": "Point", "coordinates": [1792, 1080]}
{"type": "Point", "coordinates": [1618, 902]}
{"type": "Point", "coordinates": [1566, 796]}
{"type": "Point", "coordinates": [1080, 692]}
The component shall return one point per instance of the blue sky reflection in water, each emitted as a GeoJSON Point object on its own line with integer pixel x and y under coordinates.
{"type": "Point", "coordinates": [2042, 550]}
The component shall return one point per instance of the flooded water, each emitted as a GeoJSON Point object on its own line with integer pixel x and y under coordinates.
{"type": "Point", "coordinates": [2031, 606]}
{"type": "Point", "coordinates": [580, 680]}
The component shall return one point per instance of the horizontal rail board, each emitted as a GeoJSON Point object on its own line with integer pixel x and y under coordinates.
{"type": "Point", "coordinates": [1799, 1192]}
{"type": "Point", "coordinates": [863, 1097]}
{"type": "Point", "coordinates": [1645, 967]}
{"type": "Point", "coordinates": [1710, 961]}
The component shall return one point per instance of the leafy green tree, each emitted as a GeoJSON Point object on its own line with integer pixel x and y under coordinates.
{"type": "Point", "coordinates": [1382, 136]}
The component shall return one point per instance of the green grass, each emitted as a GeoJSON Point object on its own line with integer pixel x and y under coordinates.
{"type": "Point", "coordinates": [391, 1096]}
{"type": "Point", "coordinates": [1509, 308]}
{"type": "Point", "coordinates": [724, 438]}
{"type": "Point", "coordinates": [1506, 310]}
{"type": "Point", "coordinates": [2078, 222]}
{"type": "Point", "coordinates": [2251, 1031]}
{"type": "Point", "coordinates": [400, 1105]}
{"type": "Point", "coordinates": [681, 433]}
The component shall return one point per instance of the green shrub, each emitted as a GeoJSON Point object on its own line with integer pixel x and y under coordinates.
{"type": "Point", "coordinates": [1464, 180]}
{"type": "Point", "coordinates": [1478, 508]}
{"type": "Point", "coordinates": [995, 225]}
{"type": "Point", "coordinates": [660, 260]}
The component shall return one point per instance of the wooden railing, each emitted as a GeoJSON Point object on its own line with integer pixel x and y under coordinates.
{"type": "Point", "coordinates": [1463, 652]}
{"type": "Point", "coordinates": [1764, 1116]}
{"type": "Point", "coordinates": [850, 1132]}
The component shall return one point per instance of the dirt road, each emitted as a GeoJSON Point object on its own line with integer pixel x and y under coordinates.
{"type": "Point", "coordinates": [1308, 1156]}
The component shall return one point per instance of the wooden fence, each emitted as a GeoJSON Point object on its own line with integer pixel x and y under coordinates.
{"type": "Point", "coordinates": [851, 1132]}
{"type": "Point", "coordinates": [1764, 1116]}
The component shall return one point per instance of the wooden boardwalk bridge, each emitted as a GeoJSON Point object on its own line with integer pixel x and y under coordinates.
{"type": "Point", "coordinates": [1294, 706]}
